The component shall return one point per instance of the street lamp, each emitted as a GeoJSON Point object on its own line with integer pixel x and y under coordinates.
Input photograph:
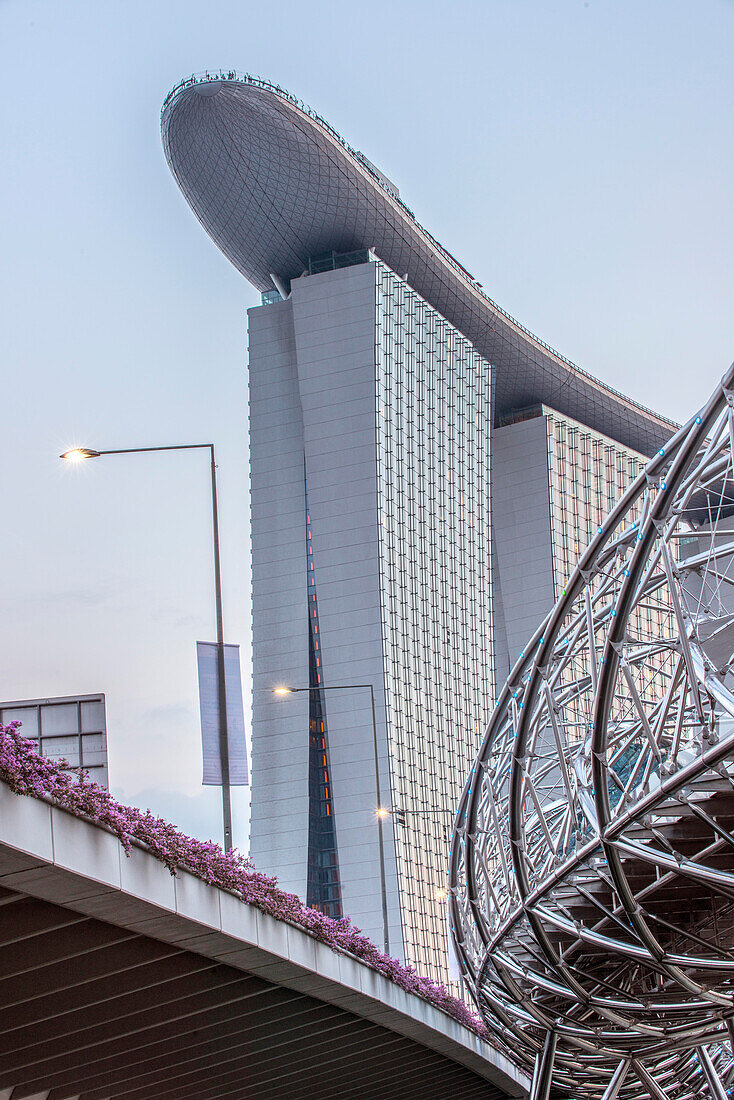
{"type": "Point", "coordinates": [381, 812]}
{"type": "Point", "coordinates": [81, 454]}
{"type": "Point", "coordinates": [78, 454]}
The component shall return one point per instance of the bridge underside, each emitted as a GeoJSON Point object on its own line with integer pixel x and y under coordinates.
{"type": "Point", "coordinates": [118, 979]}
{"type": "Point", "coordinates": [91, 1010]}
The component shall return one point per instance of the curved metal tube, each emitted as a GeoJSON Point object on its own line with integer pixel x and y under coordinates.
{"type": "Point", "coordinates": [592, 866]}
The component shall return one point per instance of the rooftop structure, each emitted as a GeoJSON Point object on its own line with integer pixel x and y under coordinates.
{"type": "Point", "coordinates": [273, 184]}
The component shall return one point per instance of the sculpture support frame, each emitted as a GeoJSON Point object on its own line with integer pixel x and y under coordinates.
{"type": "Point", "coordinates": [592, 867]}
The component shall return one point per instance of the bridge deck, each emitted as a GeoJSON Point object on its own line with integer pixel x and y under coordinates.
{"type": "Point", "coordinates": [119, 980]}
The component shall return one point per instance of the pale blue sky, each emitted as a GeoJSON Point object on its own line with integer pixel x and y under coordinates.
{"type": "Point", "coordinates": [575, 155]}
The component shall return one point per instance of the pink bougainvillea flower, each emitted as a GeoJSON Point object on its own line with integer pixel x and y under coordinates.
{"type": "Point", "coordinates": [27, 773]}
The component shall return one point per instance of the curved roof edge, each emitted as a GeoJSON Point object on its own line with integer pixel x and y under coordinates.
{"type": "Point", "coordinates": [272, 182]}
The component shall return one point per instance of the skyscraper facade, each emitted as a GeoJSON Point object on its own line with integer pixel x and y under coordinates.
{"type": "Point", "coordinates": [422, 469]}
{"type": "Point", "coordinates": [370, 470]}
{"type": "Point", "coordinates": [555, 481]}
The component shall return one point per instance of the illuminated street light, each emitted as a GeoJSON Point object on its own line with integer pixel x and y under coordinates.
{"type": "Point", "coordinates": [79, 454]}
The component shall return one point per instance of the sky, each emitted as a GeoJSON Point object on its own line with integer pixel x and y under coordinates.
{"type": "Point", "coordinates": [575, 155]}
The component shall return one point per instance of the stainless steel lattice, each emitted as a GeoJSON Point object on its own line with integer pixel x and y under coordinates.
{"type": "Point", "coordinates": [593, 857]}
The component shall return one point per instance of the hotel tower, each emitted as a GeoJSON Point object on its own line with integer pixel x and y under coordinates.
{"type": "Point", "coordinates": [424, 472]}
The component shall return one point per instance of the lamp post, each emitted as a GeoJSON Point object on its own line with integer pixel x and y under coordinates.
{"type": "Point", "coordinates": [81, 454]}
{"type": "Point", "coordinates": [381, 812]}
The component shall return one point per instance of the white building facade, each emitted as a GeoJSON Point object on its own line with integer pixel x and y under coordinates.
{"type": "Point", "coordinates": [422, 471]}
{"type": "Point", "coordinates": [370, 467]}
{"type": "Point", "coordinates": [400, 542]}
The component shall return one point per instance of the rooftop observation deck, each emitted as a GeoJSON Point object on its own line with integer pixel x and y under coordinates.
{"type": "Point", "coordinates": [272, 183]}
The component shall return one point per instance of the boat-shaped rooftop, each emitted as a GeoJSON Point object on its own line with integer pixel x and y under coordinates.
{"type": "Point", "coordinates": [273, 184]}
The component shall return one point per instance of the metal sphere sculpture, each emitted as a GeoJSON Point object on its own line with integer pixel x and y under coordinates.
{"type": "Point", "coordinates": [592, 871]}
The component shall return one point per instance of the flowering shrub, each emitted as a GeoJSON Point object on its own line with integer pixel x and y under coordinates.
{"type": "Point", "coordinates": [27, 773]}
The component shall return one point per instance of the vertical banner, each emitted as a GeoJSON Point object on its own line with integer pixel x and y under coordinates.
{"type": "Point", "coordinates": [206, 658]}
